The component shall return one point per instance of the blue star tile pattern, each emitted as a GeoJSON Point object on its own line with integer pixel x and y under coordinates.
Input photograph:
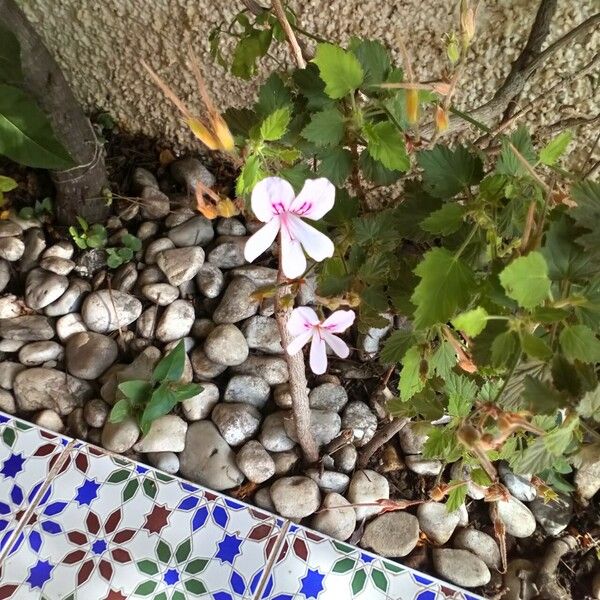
{"type": "Point", "coordinates": [87, 492]}
{"type": "Point", "coordinates": [12, 465]}
{"type": "Point", "coordinates": [229, 548]}
{"type": "Point", "coordinates": [40, 573]}
{"type": "Point", "coordinates": [312, 584]}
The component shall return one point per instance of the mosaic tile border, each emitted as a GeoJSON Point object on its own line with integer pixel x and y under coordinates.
{"type": "Point", "coordinates": [78, 522]}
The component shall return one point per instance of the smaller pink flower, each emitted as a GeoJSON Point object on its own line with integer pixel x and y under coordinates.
{"type": "Point", "coordinates": [304, 325]}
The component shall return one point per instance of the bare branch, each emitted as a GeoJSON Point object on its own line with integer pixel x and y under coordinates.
{"type": "Point", "coordinates": [289, 33]}
{"type": "Point", "coordinates": [386, 433]}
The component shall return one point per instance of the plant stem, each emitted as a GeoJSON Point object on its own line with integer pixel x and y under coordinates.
{"type": "Point", "coordinates": [289, 34]}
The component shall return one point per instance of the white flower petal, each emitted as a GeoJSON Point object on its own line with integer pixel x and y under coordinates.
{"type": "Point", "coordinates": [293, 261]}
{"type": "Point", "coordinates": [271, 196]}
{"type": "Point", "coordinates": [339, 321]}
{"type": "Point", "coordinates": [336, 344]}
{"type": "Point", "coordinates": [316, 244]}
{"type": "Point", "coordinates": [299, 342]}
{"type": "Point", "coordinates": [262, 239]}
{"type": "Point", "coordinates": [318, 355]}
{"type": "Point", "coordinates": [303, 318]}
{"type": "Point", "coordinates": [315, 199]}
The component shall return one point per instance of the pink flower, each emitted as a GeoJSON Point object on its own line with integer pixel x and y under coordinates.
{"type": "Point", "coordinates": [304, 324]}
{"type": "Point", "coordinates": [273, 203]}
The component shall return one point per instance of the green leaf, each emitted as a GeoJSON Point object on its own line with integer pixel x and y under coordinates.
{"type": "Point", "coordinates": [10, 57]}
{"type": "Point", "coordinates": [443, 360]}
{"type": "Point", "coordinates": [275, 125]}
{"type": "Point", "coordinates": [395, 347]}
{"type": "Point", "coordinates": [535, 347]}
{"type": "Point", "coordinates": [447, 172]}
{"type": "Point", "coordinates": [340, 70]}
{"type": "Point", "coordinates": [558, 440]}
{"type": "Point", "coordinates": [442, 443]}
{"type": "Point", "coordinates": [446, 285]}
{"type": "Point", "coordinates": [26, 135]}
{"type": "Point", "coordinates": [113, 260]}
{"type": "Point", "coordinates": [526, 280]}
{"type": "Point", "coordinates": [579, 342]}
{"type": "Point", "coordinates": [248, 50]}
{"type": "Point", "coordinates": [335, 164]}
{"type": "Point", "coordinates": [445, 220]}
{"type": "Point", "coordinates": [171, 366]}
{"type": "Point", "coordinates": [120, 411]}
{"type": "Point", "coordinates": [272, 95]}
{"type": "Point", "coordinates": [540, 397]}
{"type": "Point", "coordinates": [345, 209]}
{"type": "Point", "coordinates": [472, 322]}
{"type": "Point", "coordinates": [504, 348]}
{"type": "Point", "coordinates": [132, 242]}
{"type": "Point", "coordinates": [326, 128]}
{"type": "Point", "coordinates": [461, 394]}
{"type": "Point", "coordinates": [456, 496]}
{"type": "Point", "coordinates": [587, 195]}
{"type": "Point", "coordinates": [386, 145]}
{"type": "Point", "coordinates": [136, 390]}
{"type": "Point", "coordinates": [509, 163]}
{"type": "Point", "coordinates": [373, 57]}
{"type": "Point", "coordinates": [411, 380]}
{"type": "Point", "coordinates": [251, 173]}
{"type": "Point", "coordinates": [589, 405]}
{"type": "Point", "coordinates": [7, 184]}
{"type": "Point", "coordinates": [534, 459]}
{"type": "Point", "coordinates": [297, 175]}
{"type": "Point", "coordinates": [311, 86]}
{"type": "Point", "coordinates": [555, 148]}
{"type": "Point", "coordinates": [374, 171]}
{"type": "Point", "coordinates": [162, 402]}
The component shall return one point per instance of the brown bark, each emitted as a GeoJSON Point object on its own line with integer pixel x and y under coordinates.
{"type": "Point", "coordinates": [78, 190]}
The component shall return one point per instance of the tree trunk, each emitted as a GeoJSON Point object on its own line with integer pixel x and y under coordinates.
{"type": "Point", "coordinates": [78, 190]}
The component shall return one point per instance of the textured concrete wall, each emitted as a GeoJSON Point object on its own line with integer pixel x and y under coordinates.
{"type": "Point", "coordinates": [100, 44]}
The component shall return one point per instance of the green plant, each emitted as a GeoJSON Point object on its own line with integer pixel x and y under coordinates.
{"type": "Point", "coordinates": [146, 401]}
{"type": "Point", "coordinates": [41, 209]}
{"type": "Point", "coordinates": [26, 135]}
{"type": "Point", "coordinates": [88, 236]}
{"type": "Point", "coordinates": [7, 184]}
{"type": "Point", "coordinates": [119, 256]}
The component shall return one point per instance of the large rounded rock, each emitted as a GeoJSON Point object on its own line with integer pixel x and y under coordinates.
{"type": "Point", "coordinates": [68, 325]}
{"type": "Point", "coordinates": [324, 425]}
{"type": "Point", "coordinates": [367, 486]}
{"type": "Point", "coordinates": [328, 396]}
{"type": "Point", "coordinates": [273, 435]}
{"type": "Point", "coordinates": [262, 334]}
{"type": "Point", "coordinates": [7, 402]}
{"type": "Point", "coordinates": [11, 248]}
{"type": "Point", "coordinates": [190, 171]}
{"type": "Point", "coordinates": [208, 459]}
{"type": "Point", "coordinates": [176, 322]}
{"type": "Point", "coordinates": [587, 477]}
{"type": "Point", "coordinates": [89, 354]}
{"type": "Point", "coordinates": [295, 497]}
{"type": "Point", "coordinates": [106, 311]}
{"type": "Point", "coordinates": [336, 517]}
{"type": "Point", "coordinates": [120, 437]}
{"type": "Point", "coordinates": [359, 418]}
{"type": "Point", "coordinates": [460, 567]}
{"type": "Point", "coordinates": [95, 412]}
{"type": "Point", "coordinates": [164, 461]}
{"type": "Point", "coordinates": [329, 481]}
{"type": "Point", "coordinates": [29, 328]}
{"type": "Point", "coordinates": [160, 293]}
{"type": "Point", "coordinates": [480, 544]}
{"type": "Point", "coordinates": [4, 274]}
{"type": "Point", "coordinates": [166, 434]}
{"type": "Point", "coordinates": [272, 369]}
{"type": "Point", "coordinates": [203, 367]}
{"type": "Point", "coordinates": [228, 252]}
{"type": "Point", "coordinates": [237, 423]}
{"type": "Point", "coordinates": [517, 518]}
{"type": "Point", "coordinates": [197, 231]}
{"type": "Point", "coordinates": [40, 388]}
{"type": "Point", "coordinates": [210, 280]}
{"type": "Point", "coordinates": [226, 345]}
{"type": "Point", "coordinates": [250, 389]}
{"type": "Point", "coordinates": [436, 522]}
{"type": "Point", "coordinates": [8, 371]}
{"type": "Point", "coordinates": [154, 204]}
{"type": "Point", "coordinates": [37, 353]}
{"type": "Point", "coordinates": [413, 437]}
{"type": "Point", "coordinates": [180, 264]}
{"type": "Point", "coordinates": [518, 485]}
{"type": "Point", "coordinates": [42, 288]}
{"type": "Point", "coordinates": [237, 302]}
{"type": "Point", "coordinates": [554, 515]}
{"type": "Point", "coordinates": [200, 406]}
{"type": "Point", "coordinates": [71, 300]}
{"type": "Point", "coordinates": [49, 419]}
{"type": "Point", "coordinates": [393, 534]}
{"type": "Point", "coordinates": [255, 462]}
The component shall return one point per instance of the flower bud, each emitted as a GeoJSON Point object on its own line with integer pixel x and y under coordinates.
{"type": "Point", "coordinates": [453, 50]}
{"type": "Point", "coordinates": [467, 23]}
{"type": "Point", "coordinates": [441, 118]}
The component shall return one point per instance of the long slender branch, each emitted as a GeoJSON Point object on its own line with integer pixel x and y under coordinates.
{"type": "Point", "coordinates": [386, 433]}
{"type": "Point", "coordinates": [289, 33]}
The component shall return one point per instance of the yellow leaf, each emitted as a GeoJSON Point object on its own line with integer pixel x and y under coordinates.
{"type": "Point", "coordinates": [223, 134]}
{"type": "Point", "coordinates": [227, 208]}
{"type": "Point", "coordinates": [412, 106]}
{"type": "Point", "coordinates": [203, 133]}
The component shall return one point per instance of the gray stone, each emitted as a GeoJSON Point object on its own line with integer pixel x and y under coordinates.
{"type": "Point", "coordinates": [247, 388]}
{"type": "Point", "coordinates": [228, 252]}
{"type": "Point", "coordinates": [210, 280]}
{"type": "Point", "coordinates": [90, 262]}
{"type": "Point", "coordinates": [324, 425]}
{"type": "Point", "coordinates": [295, 497]}
{"type": "Point", "coordinates": [151, 274]}
{"type": "Point", "coordinates": [518, 485]}
{"type": "Point", "coordinates": [329, 481]}
{"type": "Point", "coordinates": [285, 461]}
{"type": "Point", "coordinates": [146, 324]}
{"type": "Point", "coordinates": [10, 345]}
{"type": "Point", "coordinates": [423, 466]}
{"type": "Point", "coordinates": [154, 204]}
{"type": "Point", "coordinates": [554, 515]}
{"type": "Point", "coordinates": [4, 274]}
{"type": "Point", "coordinates": [262, 334]}
{"type": "Point", "coordinates": [519, 581]}
{"type": "Point", "coordinates": [367, 486]}
{"type": "Point", "coordinates": [461, 567]}
{"type": "Point", "coordinates": [147, 230]}
{"type": "Point", "coordinates": [204, 368]}
{"type": "Point", "coordinates": [273, 434]}
{"type": "Point", "coordinates": [207, 459]}
{"type": "Point", "coordinates": [517, 518]}
{"type": "Point", "coordinates": [49, 419]}
{"type": "Point", "coordinates": [43, 288]}
{"type": "Point", "coordinates": [10, 229]}
{"type": "Point", "coordinates": [200, 406]}
{"type": "Point", "coordinates": [237, 422]}
{"type": "Point", "coordinates": [587, 476]}
{"type": "Point", "coordinates": [7, 402]}
{"type": "Point", "coordinates": [201, 328]}
{"type": "Point", "coordinates": [345, 458]}
{"type": "Point", "coordinates": [71, 300]}
{"type": "Point", "coordinates": [255, 462]}
{"type": "Point", "coordinates": [69, 325]}
{"type": "Point", "coordinates": [271, 368]}
{"type": "Point", "coordinates": [166, 434]}
{"type": "Point", "coordinates": [261, 276]}
{"type": "Point", "coordinates": [58, 265]}
{"type": "Point", "coordinates": [29, 328]}
{"type": "Point", "coordinates": [11, 248]}
{"type": "Point", "coordinates": [462, 472]}
{"type": "Point", "coordinates": [189, 172]}
{"type": "Point", "coordinates": [142, 178]}
{"type": "Point", "coordinates": [369, 343]}
{"type": "Point", "coordinates": [62, 249]}
{"type": "Point", "coordinates": [8, 371]}
{"type": "Point", "coordinates": [156, 246]}
{"type": "Point", "coordinates": [37, 353]}
{"type": "Point", "coordinates": [176, 322]}
{"type": "Point", "coordinates": [95, 412]}
{"type": "Point", "coordinates": [11, 306]}
{"type": "Point", "coordinates": [35, 244]}
{"type": "Point", "coordinates": [328, 396]}
{"type": "Point", "coordinates": [89, 354]}
{"type": "Point", "coordinates": [164, 461]}
{"type": "Point", "coordinates": [282, 395]}
{"type": "Point", "coordinates": [226, 345]}
{"type": "Point", "coordinates": [180, 264]}
{"type": "Point", "coordinates": [197, 231]}
{"type": "Point", "coordinates": [125, 277]}
{"type": "Point", "coordinates": [359, 418]}
{"type": "Point", "coordinates": [262, 499]}
{"type": "Point", "coordinates": [413, 437]}
{"type": "Point", "coordinates": [120, 437]}
{"type": "Point", "coordinates": [179, 216]}
{"type": "Point", "coordinates": [106, 311]}
{"type": "Point", "coordinates": [160, 293]}
{"type": "Point", "coordinates": [237, 302]}
{"type": "Point", "coordinates": [230, 227]}
{"type": "Point", "coordinates": [392, 534]}
{"type": "Point", "coordinates": [40, 388]}
{"type": "Point", "coordinates": [480, 544]}
{"type": "Point", "coordinates": [336, 518]}
{"type": "Point", "coordinates": [436, 522]}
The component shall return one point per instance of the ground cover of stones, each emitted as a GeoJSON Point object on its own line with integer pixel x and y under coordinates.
{"type": "Point", "coordinates": [71, 330]}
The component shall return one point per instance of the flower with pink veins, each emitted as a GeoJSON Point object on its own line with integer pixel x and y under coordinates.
{"type": "Point", "coordinates": [304, 325]}
{"type": "Point", "coordinates": [274, 203]}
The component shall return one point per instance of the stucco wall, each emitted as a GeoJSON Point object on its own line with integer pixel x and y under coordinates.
{"type": "Point", "coordinates": [100, 44]}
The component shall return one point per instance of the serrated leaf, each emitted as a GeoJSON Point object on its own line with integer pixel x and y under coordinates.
{"type": "Point", "coordinates": [312, 87]}
{"type": "Point", "coordinates": [373, 57]}
{"type": "Point", "coordinates": [589, 406]}
{"type": "Point", "coordinates": [539, 397]}
{"type": "Point", "coordinates": [249, 49]}
{"type": "Point", "coordinates": [326, 128]}
{"type": "Point", "coordinates": [273, 94]}
{"type": "Point", "coordinates": [443, 360]}
{"type": "Point", "coordinates": [555, 148]}
{"type": "Point", "coordinates": [579, 342]}
{"type": "Point", "coordinates": [240, 120]}
{"type": "Point", "coordinates": [442, 443]}
{"type": "Point", "coordinates": [446, 285]}
{"type": "Point", "coordinates": [335, 164]}
{"type": "Point", "coordinates": [461, 394]}
{"type": "Point", "coordinates": [535, 347]}
{"type": "Point", "coordinates": [340, 70]}
{"type": "Point", "coordinates": [386, 145]}
{"type": "Point", "coordinates": [170, 367]}
{"type": "Point", "coordinates": [275, 125]}
{"type": "Point", "coordinates": [447, 172]}
{"type": "Point", "coordinates": [445, 220]}
{"type": "Point", "coordinates": [526, 280]}
{"type": "Point", "coordinates": [297, 175]}
{"type": "Point", "coordinates": [509, 163]}
{"type": "Point", "coordinates": [456, 496]}
{"type": "Point", "coordinates": [534, 459]}
{"type": "Point", "coordinates": [251, 173]}
{"type": "Point", "coordinates": [374, 171]}
{"type": "Point", "coordinates": [558, 440]}
{"type": "Point", "coordinates": [411, 379]}
{"type": "Point", "coordinates": [587, 196]}
{"type": "Point", "coordinates": [504, 348]}
{"type": "Point", "coordinates": [472, 322]}
{"type": "Point", "coordinates": [395, 347]}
